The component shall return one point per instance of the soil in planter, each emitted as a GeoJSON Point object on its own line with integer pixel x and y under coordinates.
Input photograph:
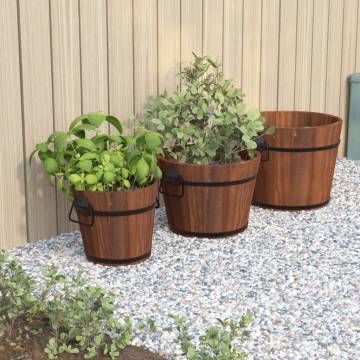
{"type": "Point", "coordinates": [28, 342]}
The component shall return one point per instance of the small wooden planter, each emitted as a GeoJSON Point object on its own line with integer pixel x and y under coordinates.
{"type": "Point", "coordinates": [296, 170]}
{"type": "Point", "coordinates": [116, 227]}
{"type": "Point", "coordinates": [208, 200]}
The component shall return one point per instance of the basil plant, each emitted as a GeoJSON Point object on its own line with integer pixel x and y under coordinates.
{"type": "Point", "coordinates": [100, 162]}
{"type": "Point", "coordinates": [206, 122]}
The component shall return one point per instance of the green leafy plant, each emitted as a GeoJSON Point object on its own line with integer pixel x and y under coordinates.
{"type": "Point", "coordinates": [217, 343]}
{"type": "Point", "coordinates": [82, 319]}
{"type": "Point", "coordinates": [206, 122]}
{"type": "Point", "coordinates": [100, 162]}
{"type": "Point", "coordinates": [16, 293]}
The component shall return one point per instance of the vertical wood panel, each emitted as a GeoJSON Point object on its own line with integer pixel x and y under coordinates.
{"type": "Point", "coordinates": [121, 62]}
{"type": "Point", "coordinates": [191, 29]}
{"type": "Point", "coordinates": [348, 62]}
{"type": "Point", "coordinates": [287, 55]}
{"type": "Point", "coordinates": [233, 27]}
{"type": "Point", "coordinates": [145, 50]}
{"type": "Point", "coordinates": [12, 185]}
{"type": "Point", "coordinates": [269, 54]}
{"type": "Point", "coordinates": [213, 28]}
{"type": "Point", "coordinates": [333, 70]}
{"type": "Point", "coordinates": [319, 54]}
{"type": "Point", "coordinates": [38, 112]}
{"type": "Point", "coordinates": [303, 55]}
{"type": "Point", "coordinates": [94, 55]}
{"type": "Point", "coordinates": [66, 80]}
{"type": "Point", "coordinates": [252, 52]}
{"type": "Point", "coordinates": [169, 44]}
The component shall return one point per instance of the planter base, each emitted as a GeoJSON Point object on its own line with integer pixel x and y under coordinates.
{"type": "Point", "coordinates": [290, 208]}
{"type": "Point", "coordinates": [116, 262]}
{"type": "Point", "coordinates": [208, 235]}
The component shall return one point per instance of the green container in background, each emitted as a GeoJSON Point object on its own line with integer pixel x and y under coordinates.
{"type": "Point", "coordinates": [353, 145]}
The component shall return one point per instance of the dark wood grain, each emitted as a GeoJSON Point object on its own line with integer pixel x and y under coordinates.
{"type": "Point", "coordinates": [119, 238]}
{"type": "Point", "coordinates": [206, 209]}
{"type": "Point", "coordinates": [298, 179]}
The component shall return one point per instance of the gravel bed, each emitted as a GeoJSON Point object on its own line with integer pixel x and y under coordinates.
{"type": "Point", "coordinates": [297, 272]}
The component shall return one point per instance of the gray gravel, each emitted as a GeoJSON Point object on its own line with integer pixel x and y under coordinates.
{"type": "Point", "coordinates": [297, 272]}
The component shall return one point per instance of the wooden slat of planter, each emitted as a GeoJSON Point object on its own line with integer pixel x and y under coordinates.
{"type": "Point", "coordinates": [66, 80]}
{"type": "Point", "coordinates": [38, 113]}
{"type": "Point", "coordinates": [12, 186]}
{"type": "Point", "coordinates": [145, 50]}
{"type": "Point", "coordinates": [121, 61]}
{"type": "Point", "coordinates": [233, 46]}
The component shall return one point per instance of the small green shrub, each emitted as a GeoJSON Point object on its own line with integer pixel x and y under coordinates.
{"type": "Point", "coordinates": [81, 318]}
{"type": "Point", "coordinates": [100, 162]}
{"type": "Point", "coordinates": [218, 341]}
{"type": "Point", "coordinates": [16, 293]}
{"type": "Point", "coordinates": [206, 122]}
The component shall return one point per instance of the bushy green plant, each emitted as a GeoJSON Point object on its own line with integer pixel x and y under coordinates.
{"type": "Point", "coordinates": [82, 319]}
{"type": "Point", "coordinates": [218, 342]}
{"type": "Point", "coordinates": [100, 162]}
{"type": "Point", "coordinates": [206, 122]}
{"type": "Point", "coordinates": [16, 293]}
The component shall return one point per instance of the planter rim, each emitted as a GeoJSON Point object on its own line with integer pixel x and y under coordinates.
{"type": "Point", "coordinates": [154, 183]}
{"type": "Point", "coordinates": [336, 119]}
{"type": "Point", "coordinates": [240, 162]}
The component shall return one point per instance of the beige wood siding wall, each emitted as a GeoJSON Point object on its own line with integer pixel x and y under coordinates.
{"type": "Point", "coordinates": [59, 58]}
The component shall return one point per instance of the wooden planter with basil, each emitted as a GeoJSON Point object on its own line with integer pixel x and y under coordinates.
{"type": "Point", "coordinates": [116, 227]}
{"type": "Point", "coordinates": [298, 162]}
{"type": "Point", "coordinates": [112, 182]}
{"type": "Point", "coordinates": [208, 200]}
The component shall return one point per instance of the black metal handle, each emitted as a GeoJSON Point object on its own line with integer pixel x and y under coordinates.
{"type": "Point", "coordinates": [264, 148]}
{"type": "Point", "coordinates": [83, 206]}
{"type": "Point", "coordinates": [172, 177]}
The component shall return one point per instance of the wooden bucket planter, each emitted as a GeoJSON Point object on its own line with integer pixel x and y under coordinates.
{"type": "Point", "coordinates": [116, 227]}
{"type": "Point", "coordinates": [208, 200]}
{"type": "Point", "coordinates": [297, 167]}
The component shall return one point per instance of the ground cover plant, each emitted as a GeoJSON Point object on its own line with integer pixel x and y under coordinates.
{"type": "Point", "coordinates": [66, 318]}
{"type": "Point", "coordinates": [86, 158]}
{"type": "Point", "coordinates": [218, 342]}
{"type": "Point", "coordinates": [206, 122]}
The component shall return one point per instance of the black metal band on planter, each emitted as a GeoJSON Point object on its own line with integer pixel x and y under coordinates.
{"type": "Point", "coordinates": [210, 235]}
{"type": "Point", "coordinates": [84, 207]}
{"type": "Point", "coordinates": [290, 208]}
{"type": "Point", "coordinates": [118, 261]}
{"type": "Point", "coordinates": [176, 179]}
{"type": "Point", "coordinates": [265, 148]}
{"type": "Point", "coordinates": [312, 149]}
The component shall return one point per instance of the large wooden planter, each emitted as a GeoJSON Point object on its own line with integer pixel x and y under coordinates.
{"type": "Point", "coordinates": [208, 200]}
{"type": "Point", "coordinates": [297, 169]}
{"type": "Point", "coordinates": [116, 227]}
